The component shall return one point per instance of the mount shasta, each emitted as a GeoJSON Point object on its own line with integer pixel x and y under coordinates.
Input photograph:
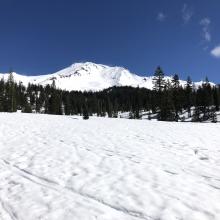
{"type": "Point", "coordinates": [89, 77]}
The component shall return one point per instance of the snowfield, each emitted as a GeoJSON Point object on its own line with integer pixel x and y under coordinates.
{"type": "Point", "coordinates": [65, 168]}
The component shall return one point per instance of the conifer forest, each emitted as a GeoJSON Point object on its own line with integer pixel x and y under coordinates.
{"type": "Point", "coordinates": [166, 102]}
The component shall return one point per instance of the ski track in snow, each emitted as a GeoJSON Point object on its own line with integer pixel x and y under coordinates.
{"type": "Point", "coordinates": [54, 167]}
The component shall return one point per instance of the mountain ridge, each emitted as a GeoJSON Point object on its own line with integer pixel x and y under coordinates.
{"type": "Point", "coordinates": [90, 76]}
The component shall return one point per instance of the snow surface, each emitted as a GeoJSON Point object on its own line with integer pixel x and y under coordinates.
{"type": "Point", "coordinates": [66, 168]}
{"type": "Point", "coordinates": [90, 76]}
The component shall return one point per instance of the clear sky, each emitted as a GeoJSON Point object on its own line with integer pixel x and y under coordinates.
{"type": "Point", "coordinates": [43, 36]}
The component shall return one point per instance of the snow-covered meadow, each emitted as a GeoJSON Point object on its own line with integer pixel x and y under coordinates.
{"type": "Point", "coordinates": [65, 168]}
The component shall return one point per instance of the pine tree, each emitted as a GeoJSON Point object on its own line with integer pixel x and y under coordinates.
{"type": "Point", "coordinates": [27, 107]}
{"type": "Point", "coordinates": [85, 112]}
{"type": "Point", "coordinates": [196, 117]}
{"type": "Point", "coordinates": [175, 81]}
{"type": "Point", "coordinates": [207, 99]}
{"type": "Point", "coordinates": [55, 103]}
{"type": "Point", "coordinates": [137, 114]}
{"type": "Point", "coordinates": [66, 103]}
{"type": "Point", "coordinates": [109, 108]}
{"type": "Point", "coordinates": [216, 98]}
{"type": "Point", "coordinates": [188, 92]}
{"type": "Point", "coordinates": [167, 108]}
{"type": "Point", "coordinates": [11, 96]}
{"type": "Point", "coordinates": [2, 98]}
{"type": "Point", "coordinates": [158, 80]}
{"type": "Point", "coordinates": [131, 115]}
{"type": "Point", "coordinates": [213, 115]}
{"type": "Point", "coordinates": [149, 115]}
{"type": "Point", "coordinates": [159, 84]}
{"type": "Point", "coordinates": [115, 115]}
{"type": "Point", "coordinates": [176, 95]}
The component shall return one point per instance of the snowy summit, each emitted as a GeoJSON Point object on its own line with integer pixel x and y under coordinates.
{"type": "Point", "coordinates": [89, 76]}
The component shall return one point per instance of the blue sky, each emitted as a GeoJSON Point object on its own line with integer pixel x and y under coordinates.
{"type": "Point", "coordinates": [43, 36]}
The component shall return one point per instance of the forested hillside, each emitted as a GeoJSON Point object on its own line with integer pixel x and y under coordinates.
{"type": "Point", "coordinates": [167, 100]}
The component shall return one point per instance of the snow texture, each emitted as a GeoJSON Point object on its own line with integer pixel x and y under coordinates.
{"type": "Point", "coordinates": [65, 168]}
{"type": "Point", "coordinates": [90, 77]}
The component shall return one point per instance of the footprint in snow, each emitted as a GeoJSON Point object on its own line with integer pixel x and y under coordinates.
{"type": "Point", "coordinates": [196, 151]}
{"type": "Point", "coordinates": [203, 158]}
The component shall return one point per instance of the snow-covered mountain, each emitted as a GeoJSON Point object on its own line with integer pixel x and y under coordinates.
{"type": "Point", "coordinates": [89, 76]}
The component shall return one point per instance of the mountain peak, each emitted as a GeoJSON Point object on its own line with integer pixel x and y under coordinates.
{"type": "Point", "coordinates": [89, 76]}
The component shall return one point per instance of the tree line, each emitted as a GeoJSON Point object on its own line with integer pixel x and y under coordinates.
{"type": "Point", "coordinates": [166, 102]}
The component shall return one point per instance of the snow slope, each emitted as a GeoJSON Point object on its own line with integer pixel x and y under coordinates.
{"type": "Point", "coordinates": [61, 168]}
{"type": "Point", "coordinates": [89, 76]}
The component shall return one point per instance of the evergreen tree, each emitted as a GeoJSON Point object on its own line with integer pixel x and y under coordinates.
{"type": "Point", "coordinates": [167, 109]}
{"type": "Point", "coordinates": [207, 99]}
{"type": "Point", "coordinates": [109, 108]}
{"type": "Point", "coordinates": [85, 112]}
{"type": "Point", "coordinates": [2, 97]}
{"type": "Point", "coordinates": [149, 115]}
{"type": "Point", "coordinates": [196, 117]}
{"type": "Point", "coordinates": [137, 114]}
{"type": "Point", "coordinates": [27, 106]}
{"type": "Point", "coordinates": [176, 95]}
{"type": "Point", "coordinates": [213, 115]}
{"type": "Point", "coordinates": [158, 80]}
{"type": "Point", "coordinates": [159, 84]}
{"type": "Point", "coordinates": [175, 81]}
{"type": "Point", "coordinates": [216, 98]}
{"type": "Point", "coordinates": [131, 115]}
{"type": "Point", "coordinates": [188, 92]}
{"type": "Point", "coordinates": [10, 90]}
{"type": "Point", "coordinates": [55, 103]}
